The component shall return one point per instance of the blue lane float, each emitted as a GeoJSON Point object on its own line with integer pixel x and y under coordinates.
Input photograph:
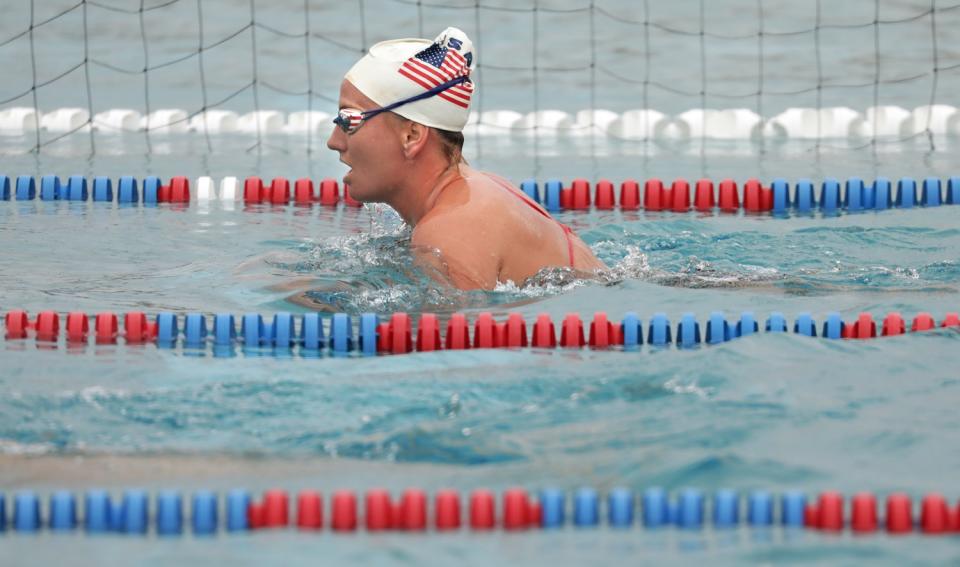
{"type": "Point", "coordinates": [793, 506]}
{"type": "Point", "coordinates": [551, 198]}
{"type": "Point", "coordinates": [134, 512]}
{"type": "Point", "coordinates": [803, 198]}
{"type": "Point", "coordinates": [530, 188]}
{"type": "Point", "coordinates": [224, 329]}
{"type": "Point", "coordinates": [369, 323]}
{"type": "Point", "coordinates": [169, 513]}
{"type": "Point", "coordinates": [311, 332]}
{"type": "Point", "coordinates": [238, 503]}
{"type": "Point", "coordinates": [205, 516]}
{"type": "Point", "coordinates": [195, 331]}
{"type": "Point", "coordinates": [830, 197]}
{"type": "Point", "coordinates": [102, 189]}
{"type": "Point", "coordinates": [26, 511]}
{"type": "Point", "coordinates": [726, 509]}
{"type": "Point", "coordinates": [63, 511]}
{"type": "Point", "coordinates": [76, 188]}
{"type": "Point", "coordinates": [718, 329]}
{"type": "Point", "coordinates": [760, 508]}
{"type": "Point", "coordinates": [906, 193]}
{"type": "Point", "coordinates": [26, 189]}
{"type": "Point", "coordinates": [655, 507]}
{"type": "Point", "coordinates": [781, 196]}
{"type": "Point", "coordinates": [553, 505]}
{"type": "Point", "coordinates": [284, 331]}
{"type": "Point", "coordinates": [688, 331]}
{"type": "Point", "coordinates": [853, 199]}
{"type": "Point", "coordinates": [659, 332]}
{"type": "Point", "coordinates": [97, 511]}
{"type": "Point", "coordinates": [776, 323]}
{"type": "Point", "coordinates": [341, 334]}
{"type": "Point", "coordinates": [620, 505]}
{"type": "Point", "coordinates": [4, 188]}
{"type": "Point", "coordinates": [167, 330]}
{"type": "Point", "coordinates": [151, 190]}
{"type": "Point", "coordinates": [953, 191]}
{"type": "Point", "coordinates": [127, 190]}
{"type": "Point", "coordinates": [930, 197]}
{"type": "Point", "coordinates": [632, 331]}
{"type": "Point", "coordinates": [586, 508]}
{"type": "Point", "coordinates": [49, 188]}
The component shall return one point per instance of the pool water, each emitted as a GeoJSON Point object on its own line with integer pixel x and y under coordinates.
{"type": "Point", "coordinates": [772, 411]}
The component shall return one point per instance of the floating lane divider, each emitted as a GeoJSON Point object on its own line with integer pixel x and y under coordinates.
{"type": "Point", "coordinates": [777, 198]}
{"type": "Point", "coordinates": [167, 514]}
{"type": "Point", "coordinates": [153, 191]}
{"type": "Point", "coordinates": [311, 334]}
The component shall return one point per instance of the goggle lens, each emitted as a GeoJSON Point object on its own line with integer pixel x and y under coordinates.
{"type": "Point", "coordinates": [349, 120]}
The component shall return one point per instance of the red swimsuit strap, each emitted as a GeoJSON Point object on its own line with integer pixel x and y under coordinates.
{"type": "Point", "coordinates": [523, 197]}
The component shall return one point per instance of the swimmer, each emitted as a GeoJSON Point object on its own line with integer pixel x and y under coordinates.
{"type": "Point", "coordinates": [403, 108]}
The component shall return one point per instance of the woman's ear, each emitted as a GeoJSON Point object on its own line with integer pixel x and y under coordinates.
{"type": "Point", "coordinates": [414, 138]}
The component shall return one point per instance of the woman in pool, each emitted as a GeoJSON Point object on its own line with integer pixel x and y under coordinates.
{"type": "Point", "coordinates": [403, 108]}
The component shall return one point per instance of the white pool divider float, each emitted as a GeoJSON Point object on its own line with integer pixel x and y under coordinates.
{"type": "Point", "coordinates": [638, 124]}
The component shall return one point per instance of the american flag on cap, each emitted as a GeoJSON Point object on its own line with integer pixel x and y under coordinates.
{"type": "Point", "coordinates": [436, 65]}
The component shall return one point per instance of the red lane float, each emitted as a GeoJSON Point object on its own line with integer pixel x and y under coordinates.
{"type": "Point", "coordinates": [580, 194]}
{"type": "Point", "coordinates": [543, 333]}
{"type": "Point", "coordinates": [704, 199]}
{"type": "Point", "coordinates": [629, 195]}
{"type": "Point", "coordinates": [329, 192]}
{"type": "Point", "coordinates": [344, 517]}
{"type": "Point", "coordinates": [515, 506]}
{"type": "Point", "coordinates": [571, 332]}
{"type": "Point", "coordinates": [379, 510]}
{"type": "Point", "coordinates": [863, 328]}
{"type": "Point", "coordinates": [863, 513]}
{"type": "Point", "coordinates": [106, 328]}
{"type": "Point", "coordinates": [729, 196]}
{"type": "Point", "coordinates": [16, 323]}
{"type": "Point", "coordinates": [899, 514]}
{"type": "Point", "coordinates": [413, 510]}
{"type": "Point", "coordinates": [757, 198]}
{"type": "Point", "coordinates": [48, 326]}
{"type": "Point", "coordinates": [605, 199]}
{"type": "Point", "coordinates": [458, 333]}
{"type": "Point", "coordinates": [447, 507]}
{"type": "Point", "coordinates": [309, 510]}
{"type": "Point", "coordinates": [78, 326]}
{"type": "Point", "coordinates": [303, 192]}
{"type": "Point", "coordinates": [482, 510]}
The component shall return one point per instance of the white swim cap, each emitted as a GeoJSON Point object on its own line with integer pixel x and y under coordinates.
{"type": "Point", "coordinates": [403, 68]}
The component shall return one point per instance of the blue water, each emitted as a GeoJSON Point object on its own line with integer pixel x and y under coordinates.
{"type": "Point", "coordinates": [771, 411]}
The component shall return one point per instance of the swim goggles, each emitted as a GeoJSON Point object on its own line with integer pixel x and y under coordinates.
{"type": "Point", "coordinates": [350, 119]}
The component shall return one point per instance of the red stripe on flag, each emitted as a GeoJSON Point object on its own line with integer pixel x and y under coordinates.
{"type": "Point", "coordinates": [430, 70]}
{"type": "Point", "coordinates": [454, 101]}
{"type": "Point", "coordinates": [406, 73]}
{"type": "Point", "coordinates": [424, 72]}
{"type": "Point", "coordinates": [403, 71]}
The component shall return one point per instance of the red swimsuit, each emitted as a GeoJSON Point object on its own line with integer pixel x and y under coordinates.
{"type": "Point", "coordinates": [523, 197]}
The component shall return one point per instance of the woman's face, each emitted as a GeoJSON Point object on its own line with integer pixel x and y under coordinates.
{"type": "Point", "coordinates": [373, 152]}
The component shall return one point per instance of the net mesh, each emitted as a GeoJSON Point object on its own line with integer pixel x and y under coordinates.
{"type": "Point", "coordinates": [203, 56]}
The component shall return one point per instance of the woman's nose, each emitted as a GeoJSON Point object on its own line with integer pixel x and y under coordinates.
{"type": "Point", "coordinates": [337, 140]}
